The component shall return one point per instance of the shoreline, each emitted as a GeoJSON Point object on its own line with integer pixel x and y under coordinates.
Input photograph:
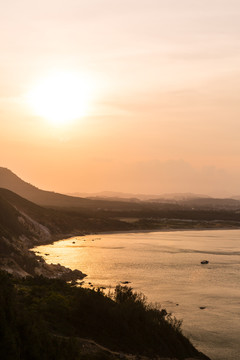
{"type": "Point", "coordinates": [163, 230]}
{"type": "Point", "coordinates": [69, 236]}
{"type": "Point", "coordinates": [77, 274]}
{"type": "Point", "coordinates": [58, 270]}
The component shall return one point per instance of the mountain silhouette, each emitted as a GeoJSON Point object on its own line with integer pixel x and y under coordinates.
{"type": "Point", "coordinates": [11, 181]}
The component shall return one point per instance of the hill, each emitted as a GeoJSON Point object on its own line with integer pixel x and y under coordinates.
{"type": "Point", "coordinates": [50, 319]}
{"type": "Point", "coordinates": [18, 232]}
{"type": "Point", "coordinates": [14, 218]}
{"type": "Point", "coordinates": [114, 202]}
{"type": "Point", "coordinates": [61, 221]}
{"type": "Point", "coordinates": [11, 181]}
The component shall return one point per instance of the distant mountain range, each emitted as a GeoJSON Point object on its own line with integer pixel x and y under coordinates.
{"type": "Point", "coordinates": [184, 199]}
{"type": "Point", "coordinates": [108, 200]}
{"type": "Point", "coordinates": [113, 195]}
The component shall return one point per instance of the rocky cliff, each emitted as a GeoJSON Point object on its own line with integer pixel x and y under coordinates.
{"type": "Point", "coordinates": [20, 229]}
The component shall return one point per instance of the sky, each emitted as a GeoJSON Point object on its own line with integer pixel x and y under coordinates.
{"type": "Point", "coordinates": [156, 93]}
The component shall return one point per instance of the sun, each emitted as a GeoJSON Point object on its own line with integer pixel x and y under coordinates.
{"type": "Point", "coordinates": [61, 97]}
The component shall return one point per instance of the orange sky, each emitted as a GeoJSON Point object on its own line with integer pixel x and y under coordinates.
{"type": "Point", "coordinates": [164, 109]}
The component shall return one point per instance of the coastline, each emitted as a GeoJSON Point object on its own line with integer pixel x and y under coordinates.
{"type": "Point", "coordinates": [60, 271]}
{"type": "Point", "coordinates": [163, 230]}
{"type": "Point", "coordinates": [71, 235]}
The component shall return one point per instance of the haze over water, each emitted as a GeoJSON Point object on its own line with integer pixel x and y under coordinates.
{"type": "Point", "coordinates": [166, 267]}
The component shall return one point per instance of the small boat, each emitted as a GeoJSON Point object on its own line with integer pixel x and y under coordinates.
{"type": "Point", "coordinates": [204, 262]}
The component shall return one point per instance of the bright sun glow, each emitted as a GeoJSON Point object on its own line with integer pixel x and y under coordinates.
{"type": "Point", "coordinates": [61, 97]}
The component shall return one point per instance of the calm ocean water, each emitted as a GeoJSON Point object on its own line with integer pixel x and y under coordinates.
{"type": "Point", "coordinates": [166, 267]}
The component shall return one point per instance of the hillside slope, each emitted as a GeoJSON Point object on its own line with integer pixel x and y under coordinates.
{"type": "Point", "coordinates": [10, 181]}
{"type": "Point", "coordinates": [21, 229]}
{"type": "Point", "coordinates": [50, 319]}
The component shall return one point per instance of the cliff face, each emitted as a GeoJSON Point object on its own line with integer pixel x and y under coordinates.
{"type": "Point", "coordinates": [21, 230]}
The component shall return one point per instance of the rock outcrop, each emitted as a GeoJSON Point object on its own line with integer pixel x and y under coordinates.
{"type": "Point", "coordinates": [18, 233]}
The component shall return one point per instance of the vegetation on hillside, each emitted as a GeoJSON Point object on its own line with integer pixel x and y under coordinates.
{"type": "Point", "coordinates": [43, 319]}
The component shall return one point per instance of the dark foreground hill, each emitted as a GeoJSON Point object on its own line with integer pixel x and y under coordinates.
{"type": "Point", "coordinates": [50, 319]}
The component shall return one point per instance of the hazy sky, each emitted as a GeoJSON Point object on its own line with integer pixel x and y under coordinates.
{"type": "Point", "coordinates": [164, 107]}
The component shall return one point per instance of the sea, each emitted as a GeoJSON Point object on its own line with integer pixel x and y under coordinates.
{"type": "Point", "coordinates": [166, 267]}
